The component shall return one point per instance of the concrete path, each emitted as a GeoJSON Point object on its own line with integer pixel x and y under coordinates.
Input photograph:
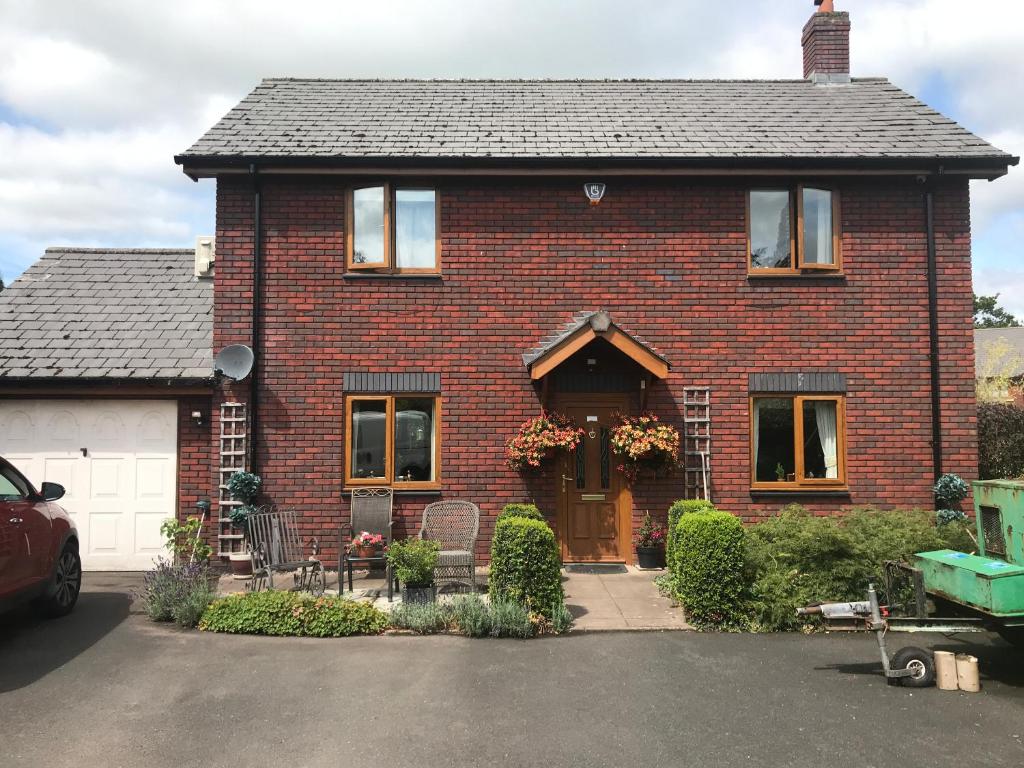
{"type": "Point", "coordinates": [618, 601]}
{"type": "Point", "coordinates": [599, 601]}
{"type": "Point", "coordinates": [104, 688]}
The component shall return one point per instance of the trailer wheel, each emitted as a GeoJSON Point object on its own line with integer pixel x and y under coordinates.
{"type": "Point", "coordinates": [920, 662]}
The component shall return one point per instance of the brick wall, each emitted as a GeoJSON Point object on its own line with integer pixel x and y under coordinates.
{"type": "Point", "coordinates": [197, 476]}
{"type": "Point", "coordinates": [667, 260]}
{"type": "Point", "coordinates": [826, 44]}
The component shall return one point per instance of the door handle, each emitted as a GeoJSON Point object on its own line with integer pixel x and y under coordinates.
{"type": "Point", "coordinates": [567, 480]}
{"type": "Point", "coordinates": [15, 521]}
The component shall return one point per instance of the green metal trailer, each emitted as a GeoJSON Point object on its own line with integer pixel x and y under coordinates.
{"type": "Point", "coordinates": [975, 593]}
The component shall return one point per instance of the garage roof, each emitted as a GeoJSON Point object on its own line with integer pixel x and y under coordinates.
{"type": "Point", "coordinates": [102, 313]}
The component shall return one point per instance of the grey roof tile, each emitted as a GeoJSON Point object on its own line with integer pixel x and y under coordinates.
{"type": "Point", "coordinates": [63, 318]}
{"type": "Point", "coordinates": [585, 119]}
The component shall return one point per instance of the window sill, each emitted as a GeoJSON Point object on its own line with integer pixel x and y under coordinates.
{"type": "Point", "coordinates": [396, 491]}
{"type": "Point", "coordinates": [828, 493]}
{"type": "Point", "coordinates": [837, 276]}
{"type": "Point", "coordinates": [391, 276]}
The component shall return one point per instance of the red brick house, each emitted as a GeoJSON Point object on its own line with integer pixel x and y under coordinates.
{"type": "Point", "coordinates": [419, 269]}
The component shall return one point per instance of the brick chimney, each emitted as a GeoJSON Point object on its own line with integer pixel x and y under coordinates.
{"type": "Point", "coordinates": [826, 41]}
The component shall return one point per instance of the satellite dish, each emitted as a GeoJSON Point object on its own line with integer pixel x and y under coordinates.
{"type": "Point", "coordinates": [234, 361]}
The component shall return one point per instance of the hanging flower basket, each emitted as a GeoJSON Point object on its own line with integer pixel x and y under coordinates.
{"type": "Point", "coordinates": [540, 438]}
{"type": "Point", "coordinates": [642, 442]}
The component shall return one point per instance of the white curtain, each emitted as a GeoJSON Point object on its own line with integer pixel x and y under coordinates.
{"type": "Point", "coordinates": [825, 416]}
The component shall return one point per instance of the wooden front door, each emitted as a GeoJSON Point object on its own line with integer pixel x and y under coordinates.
{"type": "Point", "coordinates": [593, 519]}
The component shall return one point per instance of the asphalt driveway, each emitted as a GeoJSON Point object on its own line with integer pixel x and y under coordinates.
{"type": "Point", "coordinates": [104, 687]}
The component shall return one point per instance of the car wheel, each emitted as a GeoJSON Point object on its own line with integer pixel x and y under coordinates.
{"type": "Point", "coordinates": [67, 583]}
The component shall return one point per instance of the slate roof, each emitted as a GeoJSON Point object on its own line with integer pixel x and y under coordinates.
{"type": "Point", "coordinates": [999, 351]}
{"type": "Point", "coordinates": [82, 313]}
{"type": "Point", "coordinates": [509, 120]}
{"type": "Point", "coordinates": [580, 320]}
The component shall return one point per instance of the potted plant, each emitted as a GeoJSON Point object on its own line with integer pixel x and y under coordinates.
{"type": "Point", "coordinates": [643, 442]}
{"type": "Point", "coordinates": [540, 438]}
{"type": "Point", "coordinates": [367, 544]}
{"type": "Point", "coordinates": [245, 488]}
{"type": "Point", "coordinates": [413, 562]}
{"type": "Point", "coordinates": [650, 544]}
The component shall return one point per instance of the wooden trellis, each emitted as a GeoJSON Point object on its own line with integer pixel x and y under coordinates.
{"type": "Point", "coordinates": [233, 449]}
{"type": "Point", "coordinates": [697, 442]}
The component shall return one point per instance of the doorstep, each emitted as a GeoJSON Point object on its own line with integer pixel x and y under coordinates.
{"type": "Point", "coordinates": [616, 602]}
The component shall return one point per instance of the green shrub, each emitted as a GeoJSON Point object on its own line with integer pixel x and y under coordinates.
{"type": "Point", "coordinates": [562, 620]}
{"type": "Point", "coordinates": [796, 559]}
{"type": "Point", "coordinates": [292, 613]}
{"type": "Point", "coordinates": [526, 565]}
{"type": "Point", "coordinates": [178, 593]}
{"type": "Point", "coordinates": [1000, 441]}
{"type": "Point", "coordinates": [421, 618]}
{"type": "Point", "coordinates": [471, 615]}
{"type": "Point", "coordinates": [511, 619]}
{"type": "Point", "coordinates": [677, 510]}
{"type": "Point", "coordinates": [528, 511]}
{"type": "Point", "coordinates": [708, 572]}
{"type": "Point", "coordinates": [414, 561]}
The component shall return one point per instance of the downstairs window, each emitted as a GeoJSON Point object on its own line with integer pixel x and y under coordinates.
{"type": "Point", "coordinates": [393, 440]}
{"type": "Point", "coordinates": [798, 441]}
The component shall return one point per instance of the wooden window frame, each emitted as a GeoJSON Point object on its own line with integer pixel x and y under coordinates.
{"type": "Point", "coordinates": [389, 265]}
{"type": "Point", "coordinates": [796, 232]}
{"type": "Point", "coordinates": [801, 483]}
{"type": "Point", "coordinates": [389, 447]}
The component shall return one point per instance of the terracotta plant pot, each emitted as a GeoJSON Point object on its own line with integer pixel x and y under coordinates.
{"type": "Point", "coordinates": [241, 564]}
{"type": "Point", "coordinates": [360, 551]}
{"type": "Point", "coordinates": [650, 557]}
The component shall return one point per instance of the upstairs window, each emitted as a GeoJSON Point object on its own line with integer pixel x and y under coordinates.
{"type": "Point", "coordinates": [793, 230]}
{"type": "Point", "coordinates": [393, 229]}
{"type": "Point", "coordinates": [798, 441]}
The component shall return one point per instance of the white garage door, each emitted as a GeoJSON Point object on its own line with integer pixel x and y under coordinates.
{"type": "Point", "coordinates": [117, 459]}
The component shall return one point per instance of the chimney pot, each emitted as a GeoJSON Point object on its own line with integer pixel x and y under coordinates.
{"type": "Point", "coordinates": [826, 44]}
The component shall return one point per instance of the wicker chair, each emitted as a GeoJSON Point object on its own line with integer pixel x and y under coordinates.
{"type": "Point", "coordinates": [370, 511]}
{"type": "Point", "coordinates": [455, 525]}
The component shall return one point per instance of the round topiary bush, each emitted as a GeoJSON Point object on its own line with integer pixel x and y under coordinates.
{"type": "Point", "coordinates": [526, 565]}
{"type": "Point", "coordinates": [528, 511]}
{"type": "Point", "coordinates": [708, 567]}
{"type": "Point", "coordinates": [677, 510]}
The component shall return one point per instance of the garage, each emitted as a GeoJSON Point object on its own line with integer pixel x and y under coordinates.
{"type": "Point", "coordinates": [117, 459]}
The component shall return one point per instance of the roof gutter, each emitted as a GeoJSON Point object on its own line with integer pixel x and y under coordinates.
{"type": "Point", "coordinates": [987, 167]}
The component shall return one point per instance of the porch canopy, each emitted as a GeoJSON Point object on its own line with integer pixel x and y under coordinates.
{"type": "Point", "coordinates": [586, 328]}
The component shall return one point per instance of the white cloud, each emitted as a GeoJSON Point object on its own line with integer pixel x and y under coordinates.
{"type": "Point", "coordinates": [95, 98]}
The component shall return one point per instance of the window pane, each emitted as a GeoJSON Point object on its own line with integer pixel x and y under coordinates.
{"type": "Point", "coordinates": [414, 439]}
{"type": "Point", "coordinates": [415, 228]}
{"type": "Point", "coordinates": [769, 229]}
{"type": "Point", "coordinates": [818, 226]}
{"type": "Point", "coordinates": [369, 438]}
{"type": "Point", "coordinates": [606, 458]}
{"type": "Point", "coordinates": [821, 458]}
{"type": "Point", "coordinates": [368, 226]}
{"type": "Point", "coordinates": [10, 489]}
{"type": "Point", "coordinates": [774, 459]}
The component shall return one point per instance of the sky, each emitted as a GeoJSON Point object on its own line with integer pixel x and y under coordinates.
{"type": "Point", "coordinates": [96, 96]}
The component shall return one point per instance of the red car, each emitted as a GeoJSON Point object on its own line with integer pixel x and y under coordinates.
{"type": "Point", "coordinates": [39, 558]}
